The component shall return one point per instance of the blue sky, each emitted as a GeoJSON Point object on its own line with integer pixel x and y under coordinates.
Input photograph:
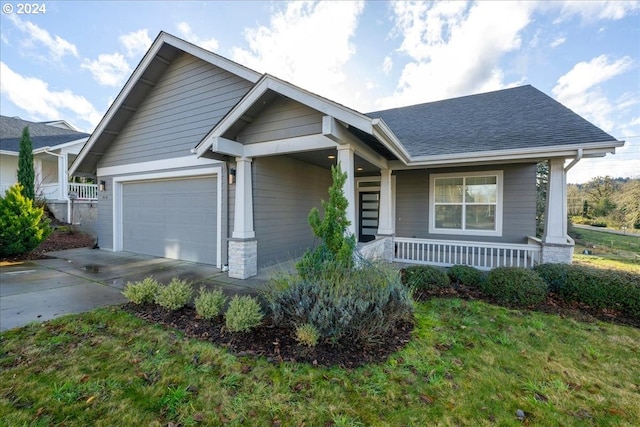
{"type": "Point", "coordinates": [70, 60]}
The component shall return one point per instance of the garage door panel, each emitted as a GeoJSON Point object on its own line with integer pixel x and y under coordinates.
{"type": "Point", "coordinates": [171, 218]}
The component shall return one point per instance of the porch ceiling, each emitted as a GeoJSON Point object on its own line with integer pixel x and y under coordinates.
{"type": "Point", "coordinates": [321, 159]}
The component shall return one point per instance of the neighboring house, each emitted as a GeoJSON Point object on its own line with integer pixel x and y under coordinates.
{"type": "Point", "coordinates": [205, 160]}
{"type": "Point", "coordinates": [55, 145]}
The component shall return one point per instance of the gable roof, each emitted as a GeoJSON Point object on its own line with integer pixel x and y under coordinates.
{"type": "Point", "coordinates": [509, 119]}
{"type": "Point", "coordinates": [158, 58]}
{"type": "Point", "coordinates": [42, 134]}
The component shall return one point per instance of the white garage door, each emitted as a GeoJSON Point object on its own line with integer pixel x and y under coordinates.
{"type": "Point", "coordinates": [173, 218]}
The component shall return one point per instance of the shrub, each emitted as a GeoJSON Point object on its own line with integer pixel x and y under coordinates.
{"type": "Point", "coordinates": [514, 285]}
{"type": "Point", "coordinates": [359, 304]}
{"type": "Point", "coordinates": [598, 288]}
{"type": "Point", "coordinates": [175, 295]}
{"type": "Point", "coordinates": [307, 334]}
{"type": "Point", "coordinates": [554, 275]}
{"type": "Point", "coordinates": [143, 292]}
{"type": "Point", "coordinates": [243, 314]}
{"type": "Point", "coordinates": [425, 277]}
{"type": "Point", "coordinates": [466, 275]}
{"type": "Point", "coordinates": [22, 227]}
{"type": "Point", "coordinates": [209, 304]}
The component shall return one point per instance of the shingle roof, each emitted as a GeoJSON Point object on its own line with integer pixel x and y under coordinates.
{"type": "Point", "coordinates": [521, 117]}
{"type": "Point", "coordinates": [42, 135]}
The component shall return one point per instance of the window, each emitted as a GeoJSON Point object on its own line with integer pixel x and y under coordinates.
{"type": "Point", "coordinates": [466, 203]}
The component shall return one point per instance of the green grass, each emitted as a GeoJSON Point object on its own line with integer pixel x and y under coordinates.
{"type": "Point", "coordinates": [610, 251]}
{"type": "Point", "coordinates": [469, 363]}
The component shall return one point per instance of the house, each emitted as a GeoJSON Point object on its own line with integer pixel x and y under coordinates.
{"type": "Point", "coordinates": [202, 159]}
{"type": "Point", "coordinates": [55, 145]}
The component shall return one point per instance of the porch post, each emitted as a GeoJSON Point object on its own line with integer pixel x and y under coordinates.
{"type": "Point", "coordinates": [557, 246]}
{"type": "Point", "coordinates": [63, 178]}
{"type": "Point", "coordinates": [243, 247]}
{"type": "Point", "coordinates": [39, 185]}
{"type": "Point", "coordinates": [345, 160]}
{"type": "Point", "coordinates": [385, 218]}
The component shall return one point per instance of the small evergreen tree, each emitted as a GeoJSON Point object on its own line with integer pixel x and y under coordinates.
{"type": "Point", "coordinates": [22, 228]}
{"type": "Point", "coordinates": [26, 173]}
{"type": "Point", "coordinates": [336, 247]}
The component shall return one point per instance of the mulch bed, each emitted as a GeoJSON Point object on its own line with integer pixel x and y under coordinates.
{"type": "Point", "coordinates": [61, 238]}
{"type": "Point", "coordinates": [275, 343]}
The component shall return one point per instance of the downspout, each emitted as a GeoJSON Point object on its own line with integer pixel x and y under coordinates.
{"type": "Point", "coordinates": [66, 198]}
{"type": "Point", "coordinates": [574, 161]}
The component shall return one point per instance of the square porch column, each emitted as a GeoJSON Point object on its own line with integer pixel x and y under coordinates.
{"type": "Point", "coordinates": [63, 177]}
{"type": "Point", "coordinates": [557, 246]}
{"type": "Point", "coordinates": [386, 227]}
{"type": "Point", "coordinates": [243, 247]}
{"type": "Point", "coordinates": [345, 160]}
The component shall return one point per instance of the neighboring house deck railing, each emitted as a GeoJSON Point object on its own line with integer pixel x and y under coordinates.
{"type": "Point", "coordinates": [481, 255]}
{"type": "Point", "coordinates": [84, 191]}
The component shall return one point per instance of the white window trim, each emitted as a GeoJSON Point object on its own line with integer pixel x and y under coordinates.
{"type": "Point", "coordinates": [118, 182]}
{"type": "Point", "coordinates": [499, 204]}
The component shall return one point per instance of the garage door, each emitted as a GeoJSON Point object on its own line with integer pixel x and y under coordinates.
{"type": "Point", "coordinates": [174, 218]}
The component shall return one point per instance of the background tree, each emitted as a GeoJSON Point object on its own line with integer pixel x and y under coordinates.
{"type": "Point", "coordinates": [26, 173]}
{"type": "Point", "coordinates": [600, 193]}
{"type": "Point", "coordinates": [628, 203]}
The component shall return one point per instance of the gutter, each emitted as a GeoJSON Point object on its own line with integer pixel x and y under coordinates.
{"type": "Point", "coordinates": [574, 161]}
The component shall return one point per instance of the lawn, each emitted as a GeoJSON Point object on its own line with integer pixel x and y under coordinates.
{"type": "Point", "coordinates": [469, 363]}
{"type": "Point", "coordinates": [610, 251]}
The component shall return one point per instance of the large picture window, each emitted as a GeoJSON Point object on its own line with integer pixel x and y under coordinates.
{"type": "Point", "coordinates": [466, 203]}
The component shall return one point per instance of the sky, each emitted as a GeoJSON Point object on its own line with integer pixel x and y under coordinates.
{"type": "Point", "coordinates": [69, 59]}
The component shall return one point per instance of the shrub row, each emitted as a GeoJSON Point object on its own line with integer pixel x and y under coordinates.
{"type": "Point", "coordinates": [595, 287]}
{"type": "Point", "coordinates": [243, 314]}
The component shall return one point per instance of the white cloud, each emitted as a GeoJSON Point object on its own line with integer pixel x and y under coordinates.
{"type": "Point", "coordinates": [34, 96]}
{"type": "Point", "coordinates": [108, 69]}
{"type": "Point", "coordinates": [454, 48]}
{"type": "Point", "coordinates": [185, 31]}
{"type": "Point", "coordinates": [387, 65]}
{"type": "Point", "coordinates": [558, 41]}
{"type": "Point", "coordinates": [596, 10]}
{"type": "Point", "coordinates": [308, 44]}
{"type": "Point", "coordinates": [56, 46]}
{"type": "Point", "coordinates": [578, 89]}
{"type": "Point", "coordinates": [136, 43]}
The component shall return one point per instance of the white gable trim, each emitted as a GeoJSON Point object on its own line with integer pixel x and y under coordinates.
{"type": "Point", "coordinates": [163, 38]}
{"type": "Point", "coordinates": [156, 165]}
{"type": "Point", "coordinates": [268, 82]}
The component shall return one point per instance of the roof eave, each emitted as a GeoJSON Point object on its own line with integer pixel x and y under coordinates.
{"type": "Point", "coordinates": [589, 150]}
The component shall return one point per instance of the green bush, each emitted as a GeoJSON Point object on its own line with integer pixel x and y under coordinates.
{"type": "Point", "coordinates": [209, 304]}
{"type": "Point", "coordinates": [514, 285]}
{"type": "Point", "coordinates": [465, 275]}
{"type": "Point", "coordinates": [22, 226]}
{"type": "Point", "coordinates": [595, 287]}
{"type": "Point", "coordinates": [554, 275]}
{"type": "Point", "coordinates": [244, 313]}
{"type": "Point", "coordinates": [425, 277]}
{"type": "Point", "coordinates": [307, 334]}
{"type": "Point", "coordinates": [359, 304]}
{"type": "Point", "coordinates": [143, 292]}
{"type": "Point", "coordinates": [175, 295]}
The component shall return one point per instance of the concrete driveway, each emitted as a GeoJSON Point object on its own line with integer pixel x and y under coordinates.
{"type": "Point", "coordinates": [79, 280]}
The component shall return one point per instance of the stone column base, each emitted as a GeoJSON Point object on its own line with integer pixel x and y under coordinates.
{"type": "Point", "coordinates": [243, 258]}
{"type": "Point", "coordinates": [557, 253]}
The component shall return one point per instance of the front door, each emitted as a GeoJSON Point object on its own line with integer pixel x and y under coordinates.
{"type": "Point", "coordinates": [368, 219]}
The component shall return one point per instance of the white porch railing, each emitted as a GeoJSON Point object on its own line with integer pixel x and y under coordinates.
{"type": "Point", "coordinates": [84, 191]}
{"type": "Point", "coordinates": [481, 255]}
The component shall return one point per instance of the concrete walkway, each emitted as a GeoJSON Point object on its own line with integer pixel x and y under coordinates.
{"type": "Point", "coordinates": [79, 280]}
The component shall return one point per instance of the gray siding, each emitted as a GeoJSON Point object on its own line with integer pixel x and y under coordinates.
{"type": "Point", "coordinates": [186, 103]}
{"type": "Point", "coordinates": [519, 197]}
{"type": "Point", "coordinates": [282, 118]}
{"type": "Point", "coordinates": [284, 192]}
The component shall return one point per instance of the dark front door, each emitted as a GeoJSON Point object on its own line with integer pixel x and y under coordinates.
{"type": "Point", "coordinates": [368, 218]}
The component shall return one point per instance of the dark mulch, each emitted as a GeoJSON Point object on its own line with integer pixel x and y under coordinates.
{"type": "Point", "coordinates": [62, 237]}
{"type": "Point", "coordinates": [553, 305]}
{"type": "Point", "coordinates": [275, 343]}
